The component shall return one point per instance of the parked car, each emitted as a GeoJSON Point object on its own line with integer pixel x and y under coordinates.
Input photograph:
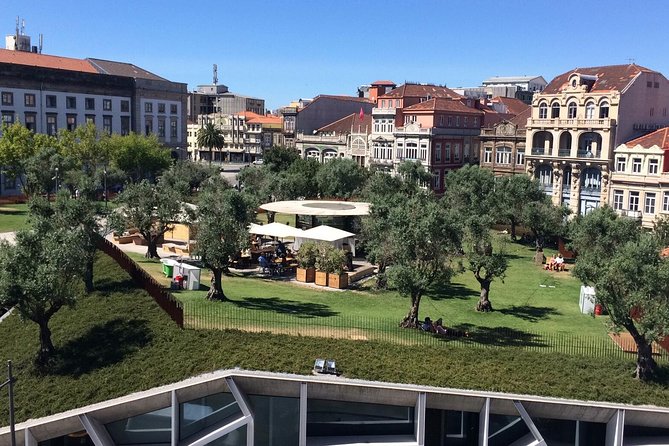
{"type": "Point", "coordinates": [258, 162]}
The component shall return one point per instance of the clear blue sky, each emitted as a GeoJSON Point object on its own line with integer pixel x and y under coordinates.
{"type": "Point", "coordinates": [285, 50]}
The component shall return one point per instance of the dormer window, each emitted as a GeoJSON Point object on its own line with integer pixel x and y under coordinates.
{"type": "Point", "coordinates": [574, 82]}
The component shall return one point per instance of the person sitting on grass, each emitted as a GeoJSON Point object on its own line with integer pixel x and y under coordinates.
{"type": "Point", "coordinates": [427, 325]}
{"type": "Point", "coordinates": [439, 327]}
{"type": "Point", "coordinates": [559, 263]}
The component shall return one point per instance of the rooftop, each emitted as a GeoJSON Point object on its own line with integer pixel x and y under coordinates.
{"type": "Point", "coordinates": [123, 69]}
{"type": "Point", "coordinates": [420, 91]}
{"type": "Point", "coordinates": [508, 79]}
{"type": "Point", "coordinates": [345, 124]}
{"type": "Point", "coordinates": [659, 138]}
{"type": "Point", "coordinates": [46, 61]}
{"type": "Point", "coordinates": [607, 78]}
{"type": "Point", "coordinates": [442, 104]}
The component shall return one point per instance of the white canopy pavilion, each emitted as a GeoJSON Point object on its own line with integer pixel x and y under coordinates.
{"type": "Point", "coordinates": [278, 230]}
{"type": "Point", "coordinates": [327, 234]}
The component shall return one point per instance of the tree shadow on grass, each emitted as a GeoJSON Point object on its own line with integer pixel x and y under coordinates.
{"type": "Point", "coordinates": [101, 346]}
{"type": "Point", "coordinates": [469, 334]}
{"type": "Point", "coordinates": [530, 313]}
{"type": "Point", "coordinates": [107, 286]}
{"type": "Point", "coordinates": [282, 306]}
{"type": "Point", "coordinates": [452, 291]}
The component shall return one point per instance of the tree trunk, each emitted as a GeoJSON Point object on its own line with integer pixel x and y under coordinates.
{"type": "Point", "coordinates": [270, 217]}
{"type": "Point", "coordinates": [46, 347]}
{"type": "Point", "coordinates": [484, 302]}
{"type": "Point", "coordinates": [411, 319]}
{"type": "Point", "coordinates": [513, 229]}
{"type": "Point", "coordinates": [216, 290]}
{"type": "Point", "coordinates": [645, 363]}
{"type": "Point", "coordinates": [381, 279]}
{"type": "Point", "coordinates": [152, 249]}
{"type": "Point", "coordinates": [88, 274]}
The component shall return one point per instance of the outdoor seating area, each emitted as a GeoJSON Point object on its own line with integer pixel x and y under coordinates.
{"type": "Point", "coordinates": [555, 263]}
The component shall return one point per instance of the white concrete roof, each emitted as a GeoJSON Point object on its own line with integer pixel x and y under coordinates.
{"type": "Point", "coordinates": [318, 207]}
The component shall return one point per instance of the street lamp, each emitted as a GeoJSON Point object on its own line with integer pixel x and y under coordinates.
{"type": "Point", "coordinates": [10, 383]}
{"type": "Point", "coordinates": [104, 173]}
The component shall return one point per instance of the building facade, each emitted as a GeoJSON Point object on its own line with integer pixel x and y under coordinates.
{"type": "Point", "coordinates": [640, 178]}
{"type": "Point", "coordinates": [244, 408]}
{"type": "Point", "coordinates": [348, 137]}
{"type": "Point", "coordinates": [578, 120]}
{"type": "Point", "coordinates": [503, 145]}
{"type": "Point", "coordinates": [216, 98]}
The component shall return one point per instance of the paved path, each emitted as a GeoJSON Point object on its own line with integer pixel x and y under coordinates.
{"type": "Point", "coordinates": [9, 236]}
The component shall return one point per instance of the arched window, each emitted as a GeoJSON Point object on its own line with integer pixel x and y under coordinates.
{"type": "Point", "coordinates": [543, 111]}
{"type": "Point", "coordinates": [555, 110]}
{"type": "Point", "coordinates": [604, 110]}
{"type": "Point", "coordinates": [503, 155]}
{"type": "Point", "coordinates": [590, 110]}
{"type": "Point", "coordinates": [571, 110]}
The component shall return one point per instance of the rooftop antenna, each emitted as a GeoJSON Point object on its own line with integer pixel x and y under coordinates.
{"type": "Point", "coordinates": [23, 27]}
{"type": "Point", "coordinates": [215, 74]}
{"type": "Point", "coordinates": [41, 42]}
{"type": "Point", "coordinates": [630, 60]}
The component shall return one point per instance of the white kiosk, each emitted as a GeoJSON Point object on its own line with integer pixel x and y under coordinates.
{"type": "Point", "coordinates": [587, 300]}
{"type": "Point", "coordinates": [190, 273]}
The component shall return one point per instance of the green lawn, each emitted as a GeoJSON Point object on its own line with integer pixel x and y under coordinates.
{"type": "Point", "coordinates": [118, 341]}
{"type": "Point", "coordinates": [13, 217]}
{"type": "Point", "coordinates": [530, 303]}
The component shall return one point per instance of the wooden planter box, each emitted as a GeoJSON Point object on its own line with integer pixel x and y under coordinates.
{"type": "Point", "coordinates": [305, 275]}
{"type": "Point", "coordinates": [339, 281]}
{"type": "Point", "coordinates": [321, 278]}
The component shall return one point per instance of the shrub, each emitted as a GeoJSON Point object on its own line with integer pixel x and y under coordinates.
{"type": "Point", "coordinates": [330, 259]}
{"type": "Point", "coordinates": [307, 254]}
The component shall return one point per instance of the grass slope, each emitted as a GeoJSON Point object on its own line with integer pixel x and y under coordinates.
{"type": "Point", "coordinates": [117, 341]}
{"type": "Point", "coordinates": [13, 217]}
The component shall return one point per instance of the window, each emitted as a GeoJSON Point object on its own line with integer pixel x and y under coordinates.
{"type": "Point", "coordinates": [441, 120]}
{"type": "Point", "coordinates": [621, 163]}
{"type": "Point", "coordinates": [571, 110]}
{"type": "Point", "coordinates": [161, 107]}
{"type": "Point", "coordinates": [51, 101]}
{"type": "Point", "coordinates": [70, 102]}
{"type": "Point", "coordinates": [450, 121]}
{"type": "Point", "coordinates": [590, 110]}
{"type": "Point", "coordinates": [653, 167]}
{"type": "Point", "coordinates": [412, 150]}
{"type": "Point", "coordinates": [634, 201]}
{"type": "Point", "coordinates": [503, 155]}
{"type": "Point", "coordinates": [31, 121]}
{"type": "Point", "coordinates": [618, 198]}
{"type": "Point", "coordinates": [437, 151]}
{"type": "Point", "coordinates": [487, 155]}
{"type": "Point", "coordinates": [106, 104]}
{"type": "Point", "coordinates": [7, 98]}
{"type": "Point", "coordinates": [543, 111]}
{"type": "Point", "coordinates": [173, 109]}
{"type": "Point", "coordinates": [148, 125]}
{"type": "Point", "coordinates": [555, 110]}
{"type": "Point", "coordinates": [520, 158]}
{"type": "Point", "coordinates": [603, 110]}
{"type": "Point", "coordinates": [652, 111]}
{"type": "Point", "coordinates": [90, 119]}
{"type": "Point", "coordinates": [125, 125]}
{"type": "Point", "coordinates": [457, 121]}
{"type": "Point", "coordinates": [649, 205]}
{"type": "Point", "coordinates": [436, 181]}
{"type": "Point", "coordinates": [456, 152]}
{"type": "Point", "coordinates": [447, 153]}
{"type": "Point", "coordinates": [148, 107]}
{"type": "Point", "coordinates": [71, 121]}
{"type": "Point", "coordinates": [464, 121]}
{"type": "Point", "coordinates": [29, 100]}
{"type": "Point", "coordinates": [161, 128]}
{"type": "Point", "coordinates": [51, 125]}
{"type": "Point", "coordinates": [636, 165]}
{"type": "Point", "coordinates": [89, 103]}
{"type": "Point", "coordinates": [173, 131]}
{"type": "Point", "coordinates": [9, 182]}
{"type": "Point", "coordinates": [476, 122]}
{"type": "Point", "coordinates": [665, 201]}
{"type": "Point", "coordinates": [125, 106]}
{"type": "Point", "coordinates": [107, 124]}
{"type": "Point", "coordinates": [8, 117]}
{"type": "Point", "coordinates": [423, 151]}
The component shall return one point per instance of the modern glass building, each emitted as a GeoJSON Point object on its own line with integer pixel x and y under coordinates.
{"type": "Point", "coordinates": [242, 408]}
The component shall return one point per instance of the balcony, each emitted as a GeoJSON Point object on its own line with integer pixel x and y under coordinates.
{"type": "Point", "coordinates": [631, 214]}
{"type": "Point", "coordinates": [383, 111]}
{"type": "Point", "coordinates": [588, 154]}
{"type": "Point", "coordinates": [576, 122]}
{"type": "Point", "coordinates": [539, 151]}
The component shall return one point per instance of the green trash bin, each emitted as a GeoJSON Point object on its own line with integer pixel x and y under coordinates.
{"type": "Point", "coordinates": [168, 269]}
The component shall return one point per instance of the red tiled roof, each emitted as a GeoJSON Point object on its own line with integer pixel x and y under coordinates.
{"type": "Point", "coordinates": [344, 124]}
{"type": "Point", "coordinates": [442, 104]}
{"type": "Point", "coordinates": [248, 114]}
{"type": "Point", "coordinates": [521, 118]}
{"type": "Point", "coordinates": [421, 91]}
{"type": "Point", "coordinates": [46, 61]}
{"type": "Point", "coordinates": [391, 83]}
{"type": "Point", "coordinates": [658, 138]}
{"type": "Point", "coordinates": [513, 105]}
{"type": "Point", "coordinates": [610, 77]}
{"type": "Point", "coordinates": [267, 119]}
{"type": "Point", "coordinates": [343, 98]}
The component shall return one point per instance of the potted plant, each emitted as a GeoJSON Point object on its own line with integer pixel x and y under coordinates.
{"type": "Point", "coordinates": [306, 260]}
{"type": "Point", "coordinates": [337, 278]}
{"type": "Point", "coordinates": [322, 264]}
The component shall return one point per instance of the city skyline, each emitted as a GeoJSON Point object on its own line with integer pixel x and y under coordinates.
{"type": "Point", "coordinates": [282, 53]}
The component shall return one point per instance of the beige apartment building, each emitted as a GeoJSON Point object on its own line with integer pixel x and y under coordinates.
{"type": "Point", "coordinates": [578, 120]}
{"type": "Point", "coordinates": [640, 178]}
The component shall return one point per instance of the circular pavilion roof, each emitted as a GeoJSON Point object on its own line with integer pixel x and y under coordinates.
{"type": "Point", "coordinates": [318, 207]}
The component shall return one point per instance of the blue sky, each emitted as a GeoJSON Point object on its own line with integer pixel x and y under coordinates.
{"type": "Point", "coordinates": [285, 50]}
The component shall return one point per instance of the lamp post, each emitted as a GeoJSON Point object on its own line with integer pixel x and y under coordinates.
{"type": "Point", "coordinates": [56, 180]}
{"type": "Point", "coordinates": [104, 173]}
{"type": "Point", "coordinates": [10, 383]}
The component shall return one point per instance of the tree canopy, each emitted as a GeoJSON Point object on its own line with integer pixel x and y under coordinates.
{"type": "Point", "coordinates": [341, 178]}
{"type": "Point", "coordinates": [211, 137]}
{"type": "Point", "coordinates": [631, 279]}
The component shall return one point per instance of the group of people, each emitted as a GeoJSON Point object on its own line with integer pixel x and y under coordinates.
{"type": "Point", "coordinates": [434, 326]}
{"type": "Point", "coordinates": [555, 263]}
